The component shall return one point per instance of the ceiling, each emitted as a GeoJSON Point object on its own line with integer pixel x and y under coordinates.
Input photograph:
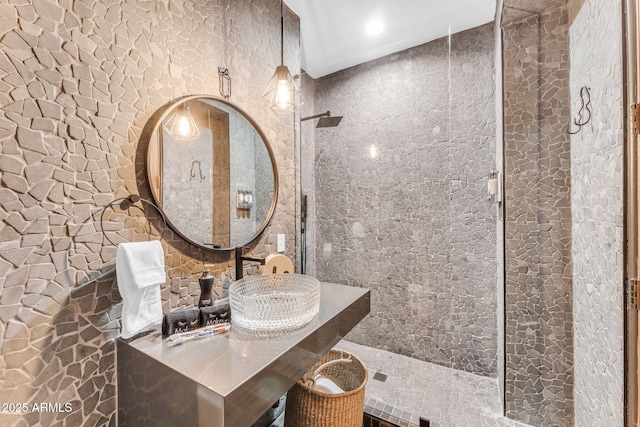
{"type": "Point", "coordinates": [334, 35]}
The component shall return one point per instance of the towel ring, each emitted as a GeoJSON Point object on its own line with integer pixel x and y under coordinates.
{"type": "Point", "coordinates": [125, 204]}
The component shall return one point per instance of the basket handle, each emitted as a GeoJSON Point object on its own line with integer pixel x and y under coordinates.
{"type": "Point", "coordinates": [310, 381]}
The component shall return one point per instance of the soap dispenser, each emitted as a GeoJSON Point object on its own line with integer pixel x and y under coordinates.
{"type": "Point", "coordinates": [206, 284]}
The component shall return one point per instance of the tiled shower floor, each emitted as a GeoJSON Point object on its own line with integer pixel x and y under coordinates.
{"type": "Point", "coordinates": [446, 397]}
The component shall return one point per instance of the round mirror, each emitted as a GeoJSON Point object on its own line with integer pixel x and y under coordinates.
{"type": "Point", "coordinates": [212, 171]}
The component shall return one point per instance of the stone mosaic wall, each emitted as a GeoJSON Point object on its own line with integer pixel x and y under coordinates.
{"type": "Point", "coordinates": [401, 202]}
{"type": "Point", "coordinates": [517, 10]}
{"type": "Point", "coordinates": [597, 210]}
{"type": "Point", "coordinates": [308, 170]}
{"type": "Point", "coordinates": [78, 82]}
{"type": "Point", "coordinates": [538, 334]}
{"type": "Point", "coordinates": [473, 245]}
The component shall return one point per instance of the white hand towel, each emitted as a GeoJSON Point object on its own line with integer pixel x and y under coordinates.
{"type": "Point", "coordinates": [140, 271]}
{"type": "Point", "coordinates": [325, 385]}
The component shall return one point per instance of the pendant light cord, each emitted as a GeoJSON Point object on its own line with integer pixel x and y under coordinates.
{"type": "Point", "coordinates": [227, 34]}
{"type": "Point", "coordinates": [281, 32]}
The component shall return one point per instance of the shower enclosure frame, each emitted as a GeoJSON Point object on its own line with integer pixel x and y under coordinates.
{"type": "Point", "coordinates": [631, 26]}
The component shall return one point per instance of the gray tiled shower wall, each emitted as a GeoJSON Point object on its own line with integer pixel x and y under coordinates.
{"type": "Point", "coordinates": [400, 198]}
{"type": "Point", "coordinates": [597, 206]}
{"type": "Point", "coordinates": [564, 285]}
{"type": "Point", "coordinates": [539, 322]}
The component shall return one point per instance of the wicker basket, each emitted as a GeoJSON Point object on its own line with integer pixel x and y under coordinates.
{"type": "Point", "coordinates": [307, 407]}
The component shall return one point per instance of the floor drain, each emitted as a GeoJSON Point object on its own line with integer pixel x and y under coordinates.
{"type": "Point", "coordinates": [379, 376]}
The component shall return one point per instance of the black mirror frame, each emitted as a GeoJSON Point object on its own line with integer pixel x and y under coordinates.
{"type": "Point", "coordinates": [150, 129]}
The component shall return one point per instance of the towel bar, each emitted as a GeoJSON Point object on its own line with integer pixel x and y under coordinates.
{"type": "Point", "coordinates": [127, 203]}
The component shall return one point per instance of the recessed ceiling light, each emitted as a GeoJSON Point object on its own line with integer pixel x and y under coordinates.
{"type": "Point", "coordinates": [375, 27]}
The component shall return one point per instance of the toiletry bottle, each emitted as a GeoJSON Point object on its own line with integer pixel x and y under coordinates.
{"type": "Point", "coordinates": [206, 283]}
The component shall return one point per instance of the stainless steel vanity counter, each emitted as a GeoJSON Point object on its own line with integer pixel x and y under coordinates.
{"type": "Point", "coordinates": [231, 379]}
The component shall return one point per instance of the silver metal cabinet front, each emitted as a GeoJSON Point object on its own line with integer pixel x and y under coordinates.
{"type": "Point", "coordinates": [228, 380]}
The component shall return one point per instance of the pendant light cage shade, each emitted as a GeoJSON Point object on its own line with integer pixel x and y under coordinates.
{"type": "Point", "coordinates": [182, 125]}
{"type": "Point", "coordinates": [282, 93]}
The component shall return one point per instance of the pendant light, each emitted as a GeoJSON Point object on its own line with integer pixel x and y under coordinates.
{"type": "Point", "coordinates": [182, 125]}
{"type": "Point", "coordinates": [282, 94]}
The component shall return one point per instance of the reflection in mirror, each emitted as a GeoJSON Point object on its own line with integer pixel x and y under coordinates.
{"type": "Point", "coordinates": [211, 170]}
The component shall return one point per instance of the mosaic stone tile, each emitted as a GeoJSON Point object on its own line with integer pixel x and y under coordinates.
{"type": "Point", "coordinates": [307, 172]}
{"type": "Point", "coordinates": [597, 157]}
{"type": "Point", "coordinates": [400, 198]}
{"type": "Point", "coordinates": [446, 397]}
{"type": "Point", "coordinates": [538, 265]}
{"type": "Point", "coordinates": [78, 81]}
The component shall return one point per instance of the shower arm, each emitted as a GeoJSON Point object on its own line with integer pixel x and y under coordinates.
{"type": "Point", "coordinates": [317, 116]}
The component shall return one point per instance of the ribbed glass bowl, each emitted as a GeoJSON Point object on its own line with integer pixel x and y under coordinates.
{"type": "Point", "coordinates": [274, 302]}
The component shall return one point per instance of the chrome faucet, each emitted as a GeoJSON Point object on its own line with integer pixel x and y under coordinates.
{"type": "Point", "coordinates": [240, 258]}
